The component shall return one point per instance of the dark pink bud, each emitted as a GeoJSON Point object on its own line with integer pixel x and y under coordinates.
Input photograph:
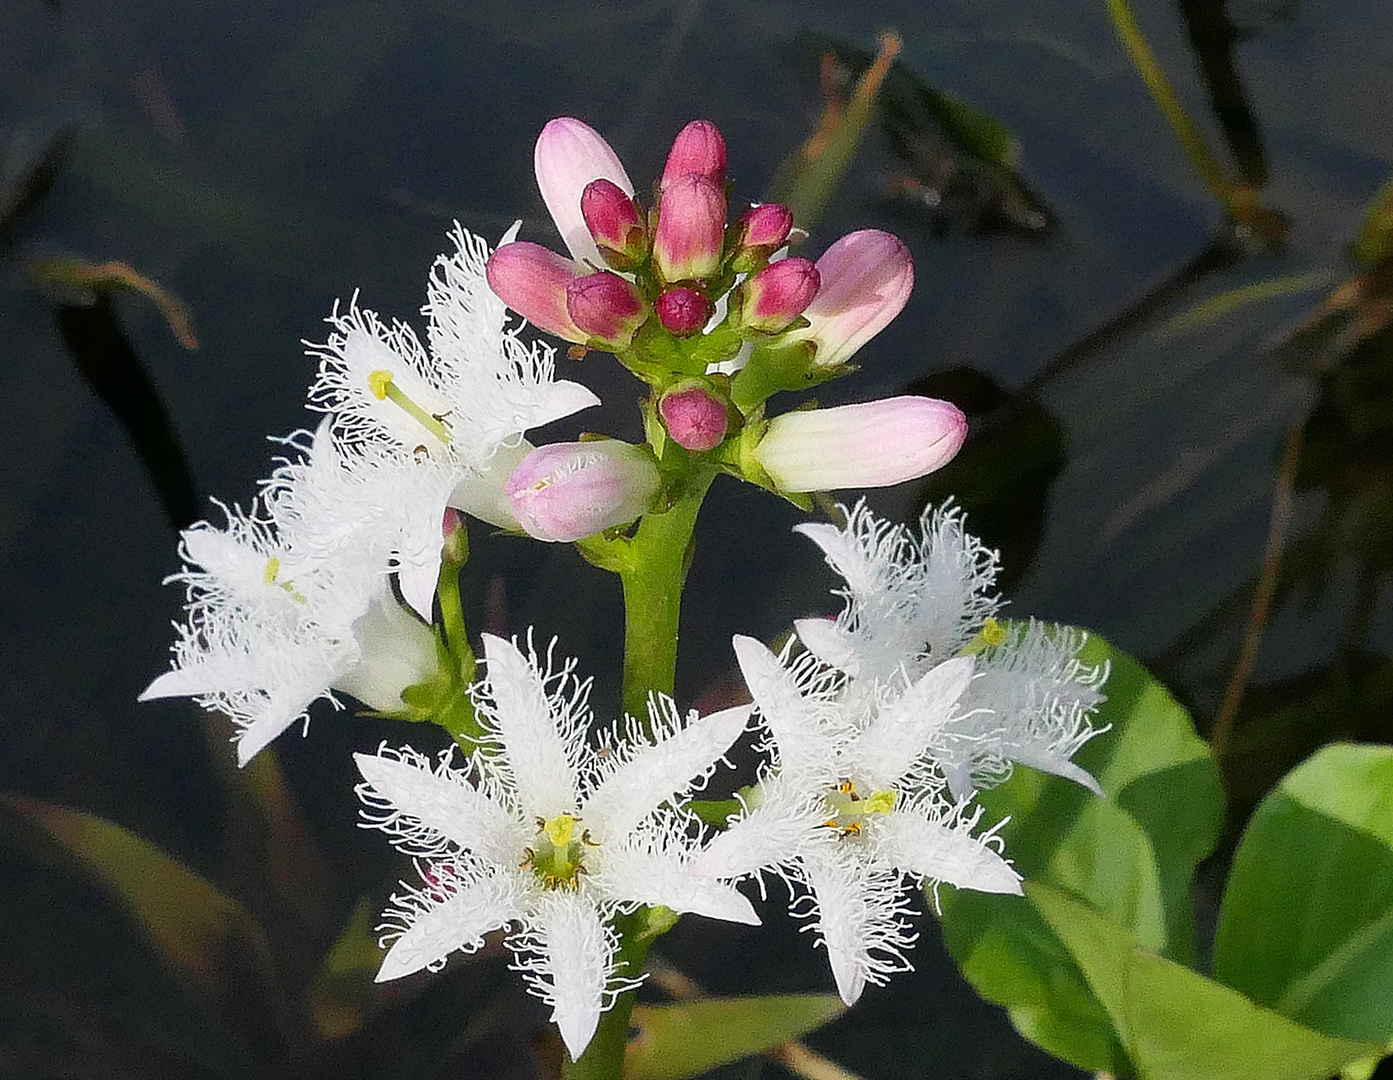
{"type": "Point", "coordinates": [614, 222]}
{"type": "Point", "coordinates": [606, 306]}
{"type": "Point", "coordinates": [683, 310]}
{"type": "Point", "coordinates": [765, 226]}
{"type": "Point", "coordinates": [691, 229]}
{"type": "Point", "coordinates": [777, 295]}
{"type": "Point", "coordinates": [532, 280]}
{"type": "Point", "coordinates": [698, 149]}
{"type": "Point", "coordinates": [695, 418]}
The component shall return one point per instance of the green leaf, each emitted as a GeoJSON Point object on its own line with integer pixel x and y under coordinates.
{"type": "Point", "coordinates": [676, 1041]}
{"type": "Point", "coordinates": [1131, 855]}
{"type": "Point", "coordinates": [1306, 924]}
{"type": "Point", "coordinates": [203, 935]}
{"type": "Point", "coordinates": [1174, 1023]}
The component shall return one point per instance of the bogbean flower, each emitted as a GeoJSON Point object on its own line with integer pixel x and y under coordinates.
{"type": "Point", "coordinates": [568, 491]}
{"type": "Point", "coordinates": [540, 832]}
{"type": "Point", "coordinates": [912, 603]}
{"type": "Point", "coordinates": [848, 809]}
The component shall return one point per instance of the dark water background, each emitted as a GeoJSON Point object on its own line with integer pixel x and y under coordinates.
{"type": "Point", "coordinates": [262, 159]}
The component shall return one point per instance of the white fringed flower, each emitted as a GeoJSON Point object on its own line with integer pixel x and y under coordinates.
{"type": "Point", "coordinates": [845, 813]}
{"type": "Point", "coordinates": [911, 603]}
{"type": "Point", "coordinates": [543, 833]}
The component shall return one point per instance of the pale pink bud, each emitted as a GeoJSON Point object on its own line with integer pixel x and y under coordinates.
{"type": "Point", "coordinates": [695, 418]}
{"type": "Point", "coordinates": [777, 295]}
{"type": "Point", "coordinates": [859, 446]}
{"type": "Point", "coordinates": [569, 155]}
{"type": "Point", "coordinates": [567, 491]}
{"type": "Point", "coordinates": [606, 306]}
{"type": "Point", "coordinates": [532, 280]}
{"type": "Point", "coordinates": [867, 277]}
{"type": "Point", "coordinates": [691, 228]}
{"type": "Point", "coordinates": [683, 310]}
{"type": "Point", "coordinates": [614, 222]}
{"type": "Point", "coordinates": [698, 149]}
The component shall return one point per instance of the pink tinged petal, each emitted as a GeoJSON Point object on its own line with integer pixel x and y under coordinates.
{"type": "Point", "coordinates": [910, 842]}
{"type": "Point", "coordinates": [606, 306]}
{"type": "Point", "coordinates": [875, 444]}
{"type": "Point", "coordinates": [575, 959]}
{"type": "Point", "coordinates": [772, 835]}
{"type": "Point", "coordinates": [481, 494]}
{"type": "Point", "coordinates": [532, 280]}
{"type": "Point", "coordinates": [569, 155]}
{"type": "Point", "coordinates": [828, 642]}
{"type": "Point", "coordinates": [903, 730]}
{"type": "Point", "coordinates": [867, 277]}
{"type": "Point", "coordinates": [800, 725]}
{"type": "Point", "coordinates": [699, 148]}
{"type": "Point", "coordinates": [682, 310]}
{"type": "Point", "coordinates": [658, 772]}
{"type": "Point", "coordinates": [456, 810]}
{"type": "Point", "coordinates": [691, 229]}
{"type": "Point", "coordinates": [651, 878]}
{"type": "Point", "coordinates": [534, 747]}
{"type": "Point", "coordinates": [696, 419]}
{"type": "Point", "coordinates": [614, 223]}
{"type": "Point", "coordinates": [460, 922]}
{"type": "Point", "coordinates": [777, 295]}
{"type": "Point", "coordinates": [568, 491]}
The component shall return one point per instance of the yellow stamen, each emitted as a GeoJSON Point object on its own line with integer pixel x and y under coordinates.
{"type": "Point", "coordinates": [880, 802]}
{"type": "Point", "coordinates": [993, 633]}
{"type": "Point", "coordinates": [382, 384]}
{"type": "Point", "coordinates": [273, 567]}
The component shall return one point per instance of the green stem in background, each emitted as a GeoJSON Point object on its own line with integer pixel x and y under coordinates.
{"type": "Point", "coordinates": [454, 711]}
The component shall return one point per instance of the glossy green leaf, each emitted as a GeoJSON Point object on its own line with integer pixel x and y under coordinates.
{"type": "Point", "coordinates": [1131, 855]}
{"type": "Point", "coordinates": [1306, 925]}
{"type": "Point", "coordinates": [1173, 1022]}
{"type": "Point", "coordinates": [676, 1041]}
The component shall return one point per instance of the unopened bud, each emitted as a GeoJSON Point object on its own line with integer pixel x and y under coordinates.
{"type": "Point", "coordinates": [682, 310]}
{"type": "Point", "coordinates": [532, 280]}
{"type": "Point", "coordinates": [568, 491]}
{"type": "Point", "coordinates": [606, 306]}
{"type": "Point", "coordinates": [691, 228]}
{"type": "Point", "coordinates": [614, 223]}
{"type": "Point", "coordinates": [777, 295]}
{"type": "Point", "coordinates": [867, 277]}
{"type": "Point", "coordinates": [859, 446]}
{"type": "Point", "coordinates": [760, 232]}
{"type": "Point", "coordinates": [698, 149]}
{"type": "Point", "coordinates": [695, 418]}
{"type": "Point", "coordinates": [455, 550]}
{"type": "Point", "coordinates": [569, 155]}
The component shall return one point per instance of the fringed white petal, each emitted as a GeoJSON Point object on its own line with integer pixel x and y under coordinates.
{"type": "Point", "coordinates": [829, 642]}
{"type": "Point", "coordinates": [647, 772]}
{"type": "Point", "coordinates": [795, 701]}
{"type": "Point", "coordinates": [771, 835]}
{"type": "Point", "coordinates": [942, 848]}
{"type": "Point", "coordinates": [903, 729]}
{"type": "Point", "coordinates": [654, 869]}
{"type": "Point", "coordinates": [449, 914]}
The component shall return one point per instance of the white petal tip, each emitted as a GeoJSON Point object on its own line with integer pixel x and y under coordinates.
{"type": "Point", "coordinates": [577, 1031]}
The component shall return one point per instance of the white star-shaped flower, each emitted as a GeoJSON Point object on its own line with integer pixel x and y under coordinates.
{"type": "Point", "coordinates": [847, 810]}
{"type": "Point", "coordinates": [543, 833]}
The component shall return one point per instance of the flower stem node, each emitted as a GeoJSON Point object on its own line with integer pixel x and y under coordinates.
{"type": "Point", "coordinates": [615, 224]}
{"type": "Point", "coordinates": [568, 491]}
{"type": "Point", "coordinates": [698, 149]}
{"type": "Point", "coordinates": [773, 298]}
{"type": "Point", "coordinates": [691, 229]}
{"type": "Point", "coordinates": [683, 310]}
{"type": "Point", "coordinates": [607, 307]}
{"type": "Point", "coordinates": [695, 418]}
{"type": "Point", "coordinates": [533, 281]}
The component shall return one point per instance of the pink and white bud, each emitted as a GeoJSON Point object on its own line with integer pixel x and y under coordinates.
{"type": "Point", "coordinates": [875, 444]}
{"type": "Point", "coordinates": [532, 280]}
{"type": "Point", "coordinates": [568, 491]}
{"type": "Point", "coordinates": [691, 229]}
{"type": "Point", "coordinates": [682, 310]}
{"type": "Point", "coordinates": [867, 277]}
{"type": "Point", "coordinates": [776, 295]}
{"type": "Point", "coordinates": [569, 155]}
{"type": "Point", "coordinates": [695, 418]}
{"type": "Point", "coordinates": [614, 223]}
{"type": "Point", "coordinates": [698, 148]}
{"type": "Point", "coordinates": [606, 306]}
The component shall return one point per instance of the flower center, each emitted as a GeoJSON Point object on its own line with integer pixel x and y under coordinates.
{"type": "Point", "coordinates": [272, 572]}
{"type": "Point", "coordinates": [557, 853]}
{"type": "Point", "coordinates": [383, 386]}
{"type": "Point", "coordinates": [848, 808]}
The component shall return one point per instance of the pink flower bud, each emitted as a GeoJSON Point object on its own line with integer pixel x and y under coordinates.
{"type": "Point", "coordinates": [691, 229]}
{"type": "Point", "coordinates": [867, 277]}
{"type": "Point", "coordinates": [614, 222]}
{"type": "Point", "coordinates": [567, 491]}
{"type": "Point", "coordinates": [760, 232]}
{"type": "Point", "coordinates": [695, 418]}
{"type": "Point", "coordinates": [777, 295]}
{"type": "Point", "coordinates": [683, 310]}
{"type": "Point", "coordinates": [532, 280]}
{"type": "Point", "coordinates": [569, 155]}
{"type": "Point", "coordinates": [698, 149]}
{"type": "Point", "coordinates": [606, 306]}
{"type": "Point", "coordinates": [858, 446]}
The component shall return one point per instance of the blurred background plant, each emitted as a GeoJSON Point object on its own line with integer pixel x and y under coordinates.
{"type": "Point", "coordinates": [1176, 359]}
